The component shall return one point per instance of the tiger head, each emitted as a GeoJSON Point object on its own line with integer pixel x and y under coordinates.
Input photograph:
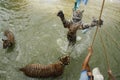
{"type": "Point", "coordinates": [77, 15]}
{"type": "Point", "coordinates": [65, 60]}
{"type": "Point", "coordinates": [6, 43]}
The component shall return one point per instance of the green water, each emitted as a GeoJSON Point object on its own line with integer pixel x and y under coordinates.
{"type": "Point", "coordinates": [41, 38]}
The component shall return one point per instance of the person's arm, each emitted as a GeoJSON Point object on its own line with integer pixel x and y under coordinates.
{"type": "Point", "coordinates": [85, 65]}
{"type": "Point", "coordinates": [111, 75]}
{"type": "Point", "coordinates": [65, 22]}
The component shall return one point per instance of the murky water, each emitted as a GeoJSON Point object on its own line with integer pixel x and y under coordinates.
{"type": "Point", "coordinates": [41, 38]}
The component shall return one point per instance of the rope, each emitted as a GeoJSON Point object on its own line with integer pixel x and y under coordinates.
{"type": "Point", "coordinates": [108, 65]}
{"type": "Point", "coordinates": [98, 22]}
{"type": "Point", "coordinates": [118, 45]}
{"type": "Point", "coordinates": [107, 59]}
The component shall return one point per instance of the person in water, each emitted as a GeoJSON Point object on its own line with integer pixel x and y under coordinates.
{"type": "Point", "coordinates": [86, 73]}
{"type": "Point", "coordinates": [76, 24]}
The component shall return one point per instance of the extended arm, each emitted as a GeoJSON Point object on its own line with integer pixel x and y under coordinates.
{"type": "Point", "coordinates": [66, 23]}
{"type": "Point", "coordinates": [85, 64]}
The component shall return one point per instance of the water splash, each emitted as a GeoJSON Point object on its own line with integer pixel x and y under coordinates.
{"type": "Point", "coordinates": [83, 44]}
{"type": "Point", "coordinates": [63, 45]}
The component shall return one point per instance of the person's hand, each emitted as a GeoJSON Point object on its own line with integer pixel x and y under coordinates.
{"type": "Point", "coordinates": [112, 77]}
{"type": "Point", "coordinates": [109, 72]}
{"type": "Point", "coordinates": [90, 49]}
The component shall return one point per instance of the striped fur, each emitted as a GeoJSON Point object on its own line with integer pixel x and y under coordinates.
{"type": "Point", "coordinates": [76, 24]}
{"type": "Point", "coordinates": [9, 42]}
{"type": "Point", "coordinates": [50, 70]}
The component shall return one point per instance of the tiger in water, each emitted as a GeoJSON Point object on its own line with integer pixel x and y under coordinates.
{"type": "Point", "coordinates": [44, 71]}
{"type": "Point", "coordinates": [8, 40]}
{"type": "Point", "coordinates": [76, 24]}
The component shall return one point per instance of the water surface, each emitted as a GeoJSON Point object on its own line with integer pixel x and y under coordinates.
{"type": "Point", "coordinates": [41, 38]}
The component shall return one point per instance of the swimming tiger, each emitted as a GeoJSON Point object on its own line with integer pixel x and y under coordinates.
{"type": "Point", "coordinates": [44, 71]}
{"type": "Point", "coordinates": [8, 41]}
